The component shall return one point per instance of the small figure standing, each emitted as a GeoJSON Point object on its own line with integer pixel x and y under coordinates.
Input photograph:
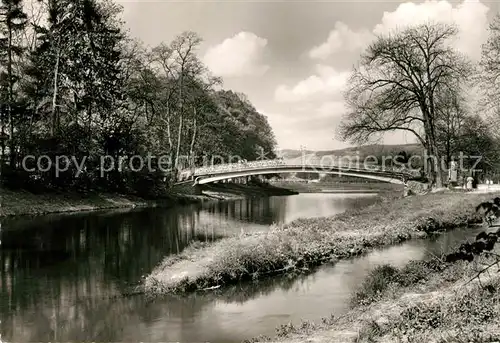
{"type": "Point", "coordinates": [470, 181]}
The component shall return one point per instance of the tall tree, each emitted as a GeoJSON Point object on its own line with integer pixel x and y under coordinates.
{"type": "Point", "coordinates": [452, 113]}
{"type": "Point", "coordinates": [49, 58]}
{"type": "Point", "coordinates": [188, 66]}
{"type": "Point", "coordinates": [83, 89]}
{"type": "Point", "coordinates": [489, 76]}
{"type": "Point", "coordinates": [396, 86]}
{"type": "Point", "coordinates": [12, 23]}
{"type": "Point", "coordinates": [490, 67]}
{"type": "Point", "coordinates": [181, 68]}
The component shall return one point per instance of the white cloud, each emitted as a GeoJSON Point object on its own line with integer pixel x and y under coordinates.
{"type": "Point", "coordinates": [317, 101]}
{"type": "Point", "coordinates": [341, 38]}
{"type": "Point", "coordinates": [239, 55]}
{"type": "Point", "coordinates": [332, 109]}
{"type": "Point", "coordinates": [470, 16]}
{"type": "Point", "coordinates": [326, 81]}
{"type": "Point", "coordinates": [310, 126]}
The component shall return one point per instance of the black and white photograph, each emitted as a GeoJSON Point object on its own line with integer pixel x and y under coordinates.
{"type": "Point", "coordinates": [250, 171]}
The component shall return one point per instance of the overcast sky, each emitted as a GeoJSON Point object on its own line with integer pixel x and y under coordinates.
{"type": "Point", "coordinates": [292, 58]}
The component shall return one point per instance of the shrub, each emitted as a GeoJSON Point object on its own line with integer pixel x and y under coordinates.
{"type": "Point", "coordinates": [375, 284]}
{"type": "Point", "coordinates": [379, 280]}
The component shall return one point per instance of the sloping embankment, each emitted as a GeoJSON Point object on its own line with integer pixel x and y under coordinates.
{"type": "Point", "coordinates": [422, 302]}
{"type": "Point", "coordinates": [13, 203]}
{"type": "Point", "coordinates": [310, 242]}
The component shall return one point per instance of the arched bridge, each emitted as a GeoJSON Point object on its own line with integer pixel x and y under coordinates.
{"type": "Point", "coordinates": [204, 175]}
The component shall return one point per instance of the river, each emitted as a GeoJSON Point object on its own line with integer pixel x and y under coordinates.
{"type": "Point", "coordinates": [61, 275]}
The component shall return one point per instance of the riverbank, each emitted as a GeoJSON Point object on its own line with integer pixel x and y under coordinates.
{"type": "Point", "coordinates": [232, 191]}
{"type": "Point", "coordinates": [15, 203]}
{"type": "Point", "coordinates": [425, 301]}
{"type": "Point", "coordinates": [340, 187]}
{"type": "Point", "coordinates": [306, 243]}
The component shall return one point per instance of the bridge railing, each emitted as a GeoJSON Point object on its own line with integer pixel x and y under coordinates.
{"type": "Point", "coordinates": [241, 166]}
{"type": "Point", "coordinates": [253, 165]}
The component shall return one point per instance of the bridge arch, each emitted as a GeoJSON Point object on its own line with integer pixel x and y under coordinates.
{"type": "Point", "coordinates": [372, 175]}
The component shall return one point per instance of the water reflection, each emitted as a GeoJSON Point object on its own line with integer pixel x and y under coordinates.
{"type": "Point", "coordinates": [260, 213]}
{"type": "Point", "coordinates": [59, 273]}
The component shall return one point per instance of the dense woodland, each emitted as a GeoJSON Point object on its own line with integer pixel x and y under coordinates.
{"type": "Point", "coordinates": [72, 82]}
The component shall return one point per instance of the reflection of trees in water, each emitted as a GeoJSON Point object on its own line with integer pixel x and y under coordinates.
{"type": "Point", "coordinates": [57, 272]}
{"type": "Point", "coordinates": [447, 242]}
{"type": "Point", "coordinates": [263, 211]}
{"type": "Point", "coordinates": [54, 262]}
{"type": "Point", "coordinates": [79, 310]}
{"type": "Point", "coordinates": [250, 290]}
{"type": "Point", "coordinates": [124, 243]}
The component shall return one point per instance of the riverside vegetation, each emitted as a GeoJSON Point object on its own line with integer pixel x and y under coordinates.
{"type": "Point", "coordinates": [75, 84]}
{"type": "Point", "coordinates": [20, 202]}
{"type": "Point", "coordinates": [26, 203]}
{"type": "Point", "coordinates": [305, 243]}
{"type": "Point", "coordinates": [425, 301]}
{"type": "Point", "coordinates": [444, 299]}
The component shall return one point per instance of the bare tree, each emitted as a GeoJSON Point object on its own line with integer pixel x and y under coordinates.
{"type": "Point", "coordinates": [184, 47]}
{"type": "Point", "coordinates": [396, 87]}
{"type": "Point", "coordinates": [181, 68]}
{"type": "Point", "coordinates": [201, 90]}
{"type": "Point", "coordinates": [161, 58]}
{"type": "Point", "coordinates": [490, 70]}
{"type": "Point", "coordinates": [452, 115]}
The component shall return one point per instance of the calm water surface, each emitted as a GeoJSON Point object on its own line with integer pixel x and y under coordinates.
{"type": "Point", "coordinates": [59, 273]}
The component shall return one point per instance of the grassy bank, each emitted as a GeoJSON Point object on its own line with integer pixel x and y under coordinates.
{"type": "Point", "coordinates": [15, 203]}
{"type": "Point", "coordinates": [425, 301]}
{"type": "Point", "coordinates": [238, 191]}
{"type": "Point", "coordinates": [25, 203]}
{"type": "Point", "coordinates": [306, 243]}
{"type": "Point", "coordinates": [313, 187]}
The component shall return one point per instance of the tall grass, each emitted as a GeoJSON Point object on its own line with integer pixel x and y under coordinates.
{"type": "Point", "coordinates": [306, 243]}
{"type": "Point", "coordinates": [15, 203]}
{"type": "Point", "coordinates": [447, 313]}
{"type": "Point", "coordinates": [383, 277]}
{"type": "Point", "coordinates": [424, 301]}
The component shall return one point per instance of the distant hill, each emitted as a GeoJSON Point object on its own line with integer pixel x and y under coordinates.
{"type": "Point", "coordinates": [364, 151]}
{"type": "Point", "coordinates": [290, 153]}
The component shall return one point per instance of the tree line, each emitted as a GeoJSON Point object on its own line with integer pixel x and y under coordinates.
{"type": "Point", "coordinates": [74, 83]}
{"type": "Point", "coordinates": [413, 79]}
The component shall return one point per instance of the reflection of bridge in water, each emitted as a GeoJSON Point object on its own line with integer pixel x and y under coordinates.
{"type": "Point", "coordinates": [205, 175]}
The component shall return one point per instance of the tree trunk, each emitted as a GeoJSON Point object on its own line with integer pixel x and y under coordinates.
{"type": "Point", "coordinates": [169, 134]}
{"type": "Point", "coordinates": [54, 95]}
{"type": "Point", "coordinates": [181, 110]}
{"type": "Point", "coordinates": [193, 139]}
{"type": "Point", "coordinates": [178, 149]}
{"type": "Point", "coordinates": [2, 143]}
{"type": "Point", "coordinates": [432, 163]}
{"type": "Point", "coordinates": [170, 143]}
{"type": "Point", "coordinates": [10, 97]}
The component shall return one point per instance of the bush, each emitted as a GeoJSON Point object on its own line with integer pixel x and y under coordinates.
{"type": "Point", "coordinates": [375, 284]}
{"type": "Point", "coordinates": [379, 279]}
